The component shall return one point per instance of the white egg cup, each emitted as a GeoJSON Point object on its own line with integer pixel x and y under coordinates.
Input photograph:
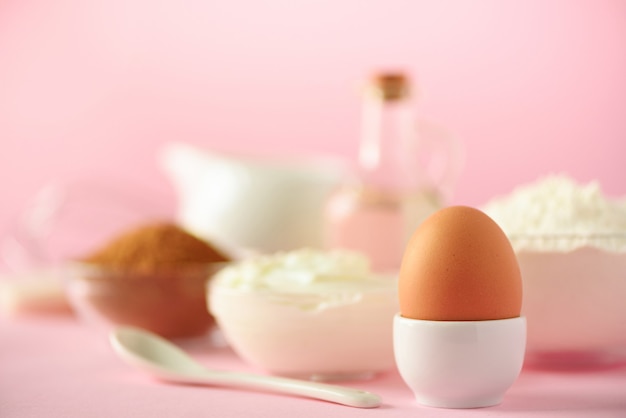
{"type": "Point", "coordinates": [459, 364]}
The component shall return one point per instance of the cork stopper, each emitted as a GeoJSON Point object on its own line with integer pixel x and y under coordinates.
{"type": "Point", "coordinates": [390, 86]}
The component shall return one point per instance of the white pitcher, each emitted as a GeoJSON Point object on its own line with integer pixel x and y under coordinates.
{"type": "Point", "coordinates": [250, 203]}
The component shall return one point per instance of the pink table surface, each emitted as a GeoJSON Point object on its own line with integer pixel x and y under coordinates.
{"type": "Point", "coordinates": [56, 367]}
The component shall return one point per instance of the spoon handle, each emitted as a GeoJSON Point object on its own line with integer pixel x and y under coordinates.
{"type": "Point", "coordinates": [331, 393]}
{"type": "Point", "coordinates": [168, 362]}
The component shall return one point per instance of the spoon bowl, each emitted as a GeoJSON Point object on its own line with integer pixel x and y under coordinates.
{"type": "Point", "coordinates": [164, 360]}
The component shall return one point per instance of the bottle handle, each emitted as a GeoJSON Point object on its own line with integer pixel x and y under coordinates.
{"type": "Point", "coordinates": [441, 157]}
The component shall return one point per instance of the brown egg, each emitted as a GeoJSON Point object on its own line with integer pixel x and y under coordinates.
{"type": "Point", "coordinates": [459, 266]}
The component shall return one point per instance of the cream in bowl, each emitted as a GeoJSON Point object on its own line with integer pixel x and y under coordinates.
{"type": "Point", "coordinates": [307, 313]}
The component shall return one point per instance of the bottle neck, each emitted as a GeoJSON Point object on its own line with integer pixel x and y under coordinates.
{"type": "Point", "coordinates": [388, 143]}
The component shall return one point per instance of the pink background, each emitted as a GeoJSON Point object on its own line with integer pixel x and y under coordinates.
{"type": "Point", "coordinates": [76, 374]}
{"type": "Point", "coordinates": [89, 90]}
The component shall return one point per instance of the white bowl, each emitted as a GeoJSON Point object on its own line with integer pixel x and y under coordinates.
{"type": "Point", "coordinates": [575, 304]}
{"type": "Point", "coordinates": [459, 364]}
{"type": "Point", "coordinates": [341, 332]}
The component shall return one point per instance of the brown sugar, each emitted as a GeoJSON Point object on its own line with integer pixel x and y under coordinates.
{"type": "Point", "coordinates": [156, 246]}
{"type": "Point", "coordinates": [154, 277]}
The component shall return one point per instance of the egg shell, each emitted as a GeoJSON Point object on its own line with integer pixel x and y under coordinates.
{"type": "Point", "coordinates": [459, 266]}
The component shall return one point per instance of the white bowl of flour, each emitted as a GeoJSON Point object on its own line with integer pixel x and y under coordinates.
{"type": "Point", "coordinates": [570, 240]}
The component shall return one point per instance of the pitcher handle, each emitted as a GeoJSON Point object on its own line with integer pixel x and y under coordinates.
{"type": "Point", "coordinates": [442, 157]}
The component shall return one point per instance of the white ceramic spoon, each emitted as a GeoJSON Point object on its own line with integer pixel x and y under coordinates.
{"type": "Point", "coordinates": [166, 361]}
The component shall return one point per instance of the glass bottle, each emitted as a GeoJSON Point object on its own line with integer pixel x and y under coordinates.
{"type": "Point", "coordinates": [377, 212]}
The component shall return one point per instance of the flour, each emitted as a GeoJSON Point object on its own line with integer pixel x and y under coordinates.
{"type": "Point", "coordinates": [555, 213]}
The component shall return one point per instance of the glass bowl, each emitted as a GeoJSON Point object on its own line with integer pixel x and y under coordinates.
{"type": "Point", "coordinates": [169, 302]}
{"type": "Point", "coordinates": [574, 293]}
